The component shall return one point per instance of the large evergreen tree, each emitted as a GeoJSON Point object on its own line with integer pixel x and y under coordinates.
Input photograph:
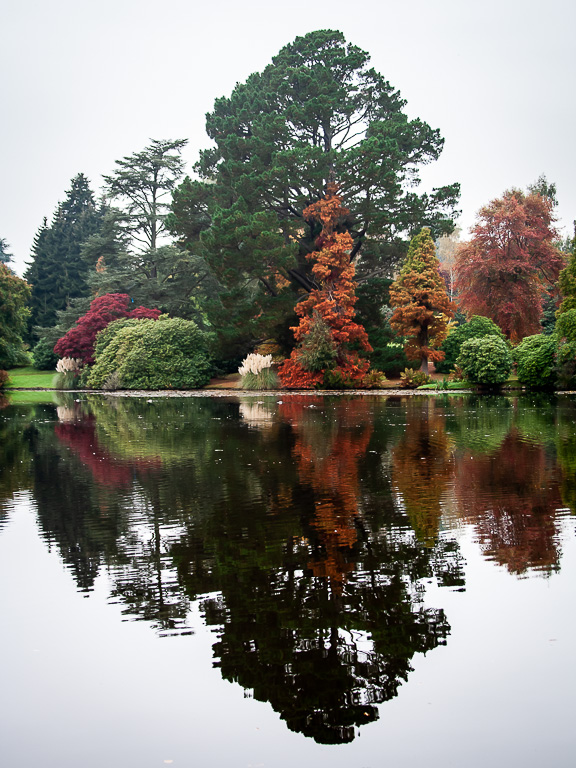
{"type": "Point", "coordinates": [58, 272]}
{"type": "Point", "coordinates": [5, 255]}
{"type": "Point", "coordinates": [317, 112]}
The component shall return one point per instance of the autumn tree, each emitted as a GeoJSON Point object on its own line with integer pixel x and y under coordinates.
{"type": "Point", "coordinates": [327, 331]}
{"type": "Point", "coordinates": [79, 341]}
{"type": "Point", "coordinates": [420, 302]}
{"type": "Point", "coordinates": [511, 261]}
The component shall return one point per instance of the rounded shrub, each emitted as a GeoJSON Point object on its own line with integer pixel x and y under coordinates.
{"type": "Point", "coordinates": [486, 361]}
{"type": "Point", "coordinates": [565, 334]}
{"type": "Point", "coordinates": [476, 328]}
{"type": "Point", "coordinates": [169, 353]}
{"type": "Point", "coordinates": [535, 359]}
{"type": "Point", "coordinates": [43, 356]}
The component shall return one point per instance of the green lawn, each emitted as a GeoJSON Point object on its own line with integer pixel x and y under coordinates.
{"type": "Point", "coordinates": [30, 378]}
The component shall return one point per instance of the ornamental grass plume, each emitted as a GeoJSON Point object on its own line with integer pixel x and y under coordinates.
{"type": "Point", "coordinates": [255, 363]}
{"type": "Point", "coordinates": [69, 365]}
{"type": "Point", "coordinates": [257, 373]}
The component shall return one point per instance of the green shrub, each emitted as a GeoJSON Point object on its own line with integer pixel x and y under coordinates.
{"type": "Point", "coordinates": [535, 359]}
{"type": "Point", "coordinates": [565, 335]}
{"type": "Point", "coordinates": [169, 353]}
{"type": "Point", "coordinates": [411, 379]}
{"type": "Point", "coordinates": [476, 328]}
{"type": "Point", "coordinates": [485, 361]}
{"type": "Point", "coordinates": [43, 356]}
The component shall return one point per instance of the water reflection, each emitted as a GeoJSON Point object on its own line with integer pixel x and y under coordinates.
{"type": "Point", "coordinates": [306, 529]}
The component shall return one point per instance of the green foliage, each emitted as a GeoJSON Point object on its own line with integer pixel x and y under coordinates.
{"type": "Point", "coordinates": [565, 334]}
{"type": "Point", "coordinates": [14, 312]}
{"type": "Point", "coordinates": [318, 350]}
{"type": "Point", "coordinates": [476, 328]}
{"type": "Point", "coordinates": [68, 380]}
{"type": "Point", "coordinates": [170, 353]}
{"type": "Point", "coordinates": [43, 356]}
{"type": "Point", "coordinates": [535, 361]}
{"type": "Point", "coordinates": [59, 271]}
{"type": "Point", "coordinates": [567, 281]}
{"type": "Point", "coordinates": [411, 379]}
{"type": "Point", "coordinates": [265, 379]}
{"type": "Point", "coordinates": [317, 112]}
{"type": "Point", "coordinates": [485, 361]}
{"type": "Point", "coordinates": [373, 311]}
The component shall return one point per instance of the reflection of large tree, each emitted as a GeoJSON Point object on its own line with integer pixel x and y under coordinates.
{"type": "Point", "coordinates": [422, 467]}
{"type": "Point", "coordinates": [325, 627]}
{"type": "Point", "coordinates": [512, 496]}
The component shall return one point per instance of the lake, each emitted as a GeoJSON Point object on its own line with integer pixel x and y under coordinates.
{"type": "Point", "coordinates": [289, 580]}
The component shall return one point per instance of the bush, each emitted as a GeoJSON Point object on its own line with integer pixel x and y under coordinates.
{"type": "Point", "coordinates": [411, 379]}
{"type": "Point", "coordinates": [535, 359]}
{"type": "Point", "coordinates": [43, 356]}
{"type": "Point", "coordinates": [565, 335]}
{"type": "Point", "coordinates": [485, 361]}
{"type": "Point", "coordinates": [476, 328]}
{"type": "Point", "coordinates": [3, 379]}
{"type": "Point", "coordinates": [170, 353]}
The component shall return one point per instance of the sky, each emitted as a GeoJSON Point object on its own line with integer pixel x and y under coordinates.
{"type": "Point", "coordinates": [84, 83]}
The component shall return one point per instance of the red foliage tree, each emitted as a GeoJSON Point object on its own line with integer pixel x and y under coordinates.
{"type": "Point", "coordinates": [505, 270]}
{"type": "Point", "coordinates": [329, 308]}
{"type": "Point", "coordinates": [79, 341]}
{"type": "Point", "coordinates": [421, 303]}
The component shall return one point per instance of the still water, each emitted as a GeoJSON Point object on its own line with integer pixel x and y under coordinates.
{"type": "Point", "coordinates": [265, 582]}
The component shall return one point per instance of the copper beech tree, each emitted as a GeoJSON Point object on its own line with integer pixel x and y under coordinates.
{"type": "Point", "coordinates": [421, 304]}
{"type": "Point", "coordinates": [505, 270]}
{"type": "Point", "coordinates": [327, 331]}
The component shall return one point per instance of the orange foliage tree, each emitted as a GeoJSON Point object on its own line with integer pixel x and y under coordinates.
{"type": "Point", "coordinates": [421, 304]}
{"type": "Point", "coordinates": [327, 329]}
{"type": "Point", "coordinates": [505, 270]}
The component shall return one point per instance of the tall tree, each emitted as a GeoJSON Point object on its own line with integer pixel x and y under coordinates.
{"type": "Point", "coordinates": [58, 271]}
{"type": "Point", "coordinates": [328, 333]}
{"type": "Point", "coordinates": [316, 113]}
{"type": "Point", "coordinates": [142, 185]}
{"type": "Point", "coordinates": [421, 304]}
{"type": "Point", "coordinates": [505, 270]}
{"type": "Point", "coordinates": [5, 255]}
{"type": "Point", "coordinates": [14, 297]}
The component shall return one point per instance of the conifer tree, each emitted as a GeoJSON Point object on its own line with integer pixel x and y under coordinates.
{"type": "Point", "coordinates": [58, 272]}
{"type": "Point", "coordinates": [421, 304]}
{"type": "Point", "coordinates": [328, 334]}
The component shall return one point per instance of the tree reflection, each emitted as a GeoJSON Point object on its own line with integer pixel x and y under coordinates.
{"type": "Point", "coordinates": [423, 467]}
{"type": "Point", "coordinates": [512, 497]}
{"type": "Point", "coordinates": [306, 528]}
{"type": "Point", "coordinates": [327, 631]}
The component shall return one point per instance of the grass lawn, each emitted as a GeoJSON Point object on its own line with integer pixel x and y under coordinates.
{"type": "Point", "coordinates": [30, 378]}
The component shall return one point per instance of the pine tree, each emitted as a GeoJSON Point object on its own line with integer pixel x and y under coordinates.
{"type": "Point", "coordinates": [421, 304]}
{"type": "Point", "coordinates": [327, 334]}
{"type": "Point", "coordinates": [58, 272]}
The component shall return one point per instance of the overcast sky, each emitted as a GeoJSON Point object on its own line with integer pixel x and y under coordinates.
{"type": "Point", "coordinates": [85, 82]}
